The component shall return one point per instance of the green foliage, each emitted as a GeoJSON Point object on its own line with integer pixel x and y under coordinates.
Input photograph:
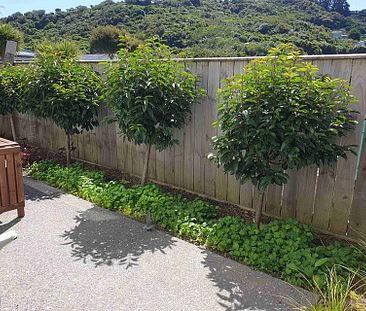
{"type": "Point", "coordinates": [106, 39]}
{"type": "Point", "coordinates": [59, 50]}
{"type": "Point", "coordinates": [355, 34]}
{"type": "Point", "coordinates": [285, 248]}
{"type": "Point", "coordinates": [14, 88]}
{"type": "Point", "coordinates": [9, 33]}
{"type": "Point", "coordinates": [336, 295]}
{"type": "Point", "coordinates": [65, 91]}
{"type": "Point", "coordinates": [339, 6]}
{"type": "Point", "coordinates": [206, 28]}
{"type": "Point", "coordinates": [150, 93]}
{"type": "Point", "coordinates": [280, 114]}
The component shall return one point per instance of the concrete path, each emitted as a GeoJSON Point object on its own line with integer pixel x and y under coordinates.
{"type": "Point", "coordinates": [72, 255]}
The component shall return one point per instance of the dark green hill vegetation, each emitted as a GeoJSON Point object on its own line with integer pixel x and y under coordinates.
{"type": "Point", "coordinates": [207, 27]}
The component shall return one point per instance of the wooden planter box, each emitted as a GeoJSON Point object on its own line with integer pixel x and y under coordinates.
{"type": "Point", "coordinates": [11, 178]}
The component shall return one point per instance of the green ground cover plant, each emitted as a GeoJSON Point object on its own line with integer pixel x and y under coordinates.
{"type": "Point", "coordinates": [285, 248]}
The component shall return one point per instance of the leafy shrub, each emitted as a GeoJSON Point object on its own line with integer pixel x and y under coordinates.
{"type": "Point", "coordinates": [283, 247]}
{"type": "Point", "coordinates": [13, 88]}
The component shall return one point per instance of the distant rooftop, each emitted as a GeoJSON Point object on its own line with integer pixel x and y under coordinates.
{"type": "Point", "coordinates": [97, 57]}
{"type": "Point", "coordinates": [26, 56]}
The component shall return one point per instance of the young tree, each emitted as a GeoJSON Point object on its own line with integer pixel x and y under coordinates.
{"type": "Point", "coordinates": [151, 94]}
{"type": "Point", "coordinates": [280, 114]}
{"type": "Point", "coordinates": [65, 91]}
{"type": "Point", "coordinates": [9, 33]}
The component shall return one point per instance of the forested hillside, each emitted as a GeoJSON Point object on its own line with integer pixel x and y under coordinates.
{"type": "Point", "coordinates": [208, 27]}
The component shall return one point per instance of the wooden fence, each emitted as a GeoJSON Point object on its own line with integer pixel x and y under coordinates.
{"type": "Point", "coordinates": [332, 200]}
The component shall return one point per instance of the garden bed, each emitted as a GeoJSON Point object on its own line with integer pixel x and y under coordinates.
{"type": "Point", "coordinates": [286, 249]}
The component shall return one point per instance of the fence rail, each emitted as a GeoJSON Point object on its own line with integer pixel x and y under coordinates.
{"type": "Point", "coordinates": [330, 199]}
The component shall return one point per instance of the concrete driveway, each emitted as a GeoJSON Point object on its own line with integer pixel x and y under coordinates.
{"type": "Point", "coordinates": [72, 255]}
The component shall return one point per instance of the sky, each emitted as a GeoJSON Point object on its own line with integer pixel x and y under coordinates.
{"type": "Point", "coordinates": [8, 7]}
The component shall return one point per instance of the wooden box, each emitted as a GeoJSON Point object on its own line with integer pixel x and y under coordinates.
{"type": "Point", "coordinates": [11, 178]}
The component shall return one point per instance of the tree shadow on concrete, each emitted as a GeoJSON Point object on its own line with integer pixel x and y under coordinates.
{"type": "Point", "coordinates": [241, 288]}
{"type": "Point", "coordinates": [33, 194]}
{"type": "Point", "coordinates": [107, 238]}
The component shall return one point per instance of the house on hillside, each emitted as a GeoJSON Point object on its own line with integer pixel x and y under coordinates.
{"type": "Point", "coordinates": [339, 35]}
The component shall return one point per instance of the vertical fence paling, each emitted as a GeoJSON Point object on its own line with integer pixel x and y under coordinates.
{"type": "Point", "coordinates": [327, 198]}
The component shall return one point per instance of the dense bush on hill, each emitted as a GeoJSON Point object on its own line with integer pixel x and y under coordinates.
{"type": "Point", "coordinates": [203, 28]}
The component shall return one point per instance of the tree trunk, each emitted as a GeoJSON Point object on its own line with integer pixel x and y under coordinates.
{"type": "Point", "coordinates": [12, 126]}
{"type": "Point", "coordinates": [146, 165]}
{"type": "Point", "coordinates": [258, 212]}
{"type": "Point", "coordinates": [68, 149]}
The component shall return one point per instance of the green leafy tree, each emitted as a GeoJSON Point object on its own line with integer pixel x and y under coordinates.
{"type": "Point", "coordinates": [355, 34]}
{"type": "Point", "coordinates": [106, 40]}
{"type": "Point", "coordinates": [151, 94]}
{"type": "Point", "coordinates": [339, 6]}
{"type": "Point", "coordinates": [280, 114]}
{"type": "Point", "coordinates": [65, 91]}
{"type": "Point", "coordinates": [14, 82]}
{"type": "Point", "coordinates": [9, 33]}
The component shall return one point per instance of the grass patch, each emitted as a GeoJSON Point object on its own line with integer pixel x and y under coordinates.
{"type": "Point", "coordinates": [285, 248]}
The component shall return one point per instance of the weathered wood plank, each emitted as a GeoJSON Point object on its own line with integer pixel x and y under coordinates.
{"type": "Point", "coordinates": [159, 164]}
{"type": "Point", "coordinates": [326, 179]}
{"type": "Point", "coordinates": [323, 197]}
{"type": "Point", "coordinates": [223, 192]}
{"type": "Point", "coordinates": [274, 200]}
{"type": "Point", "coordinates": [3, 183]}
{"type": "Point", "coordinates": [199, 137]}
{"type": "Point", "coordinates": [289, 198]}
{"type": "Point", "coordinates": [122, 151]}
{"type": "Point", "coordinates": [345, 172]}
{"type": "Point", "coordinates": [188, 141]}
{"type": "Point", "coordinates": [152, 164]}
{"type": "Point", "coordinates": [169, 165]}
{"type": "Point", "coordinates": [179, 159]}
{"type": "Point", "coordinates": [19, 177]}
{"type": "Point", "coordinates": [210, 116]}
{"type": "Point", "coordinates": [245, 190]}
{"type": "Point", "coordinates": [11, 179]}
{"type": "Point", "coordinates": [246, 195]}
{"type": "Point", "coordinates": [357, 223]}
{"type": "Point", "coordinates": [305, 192]}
